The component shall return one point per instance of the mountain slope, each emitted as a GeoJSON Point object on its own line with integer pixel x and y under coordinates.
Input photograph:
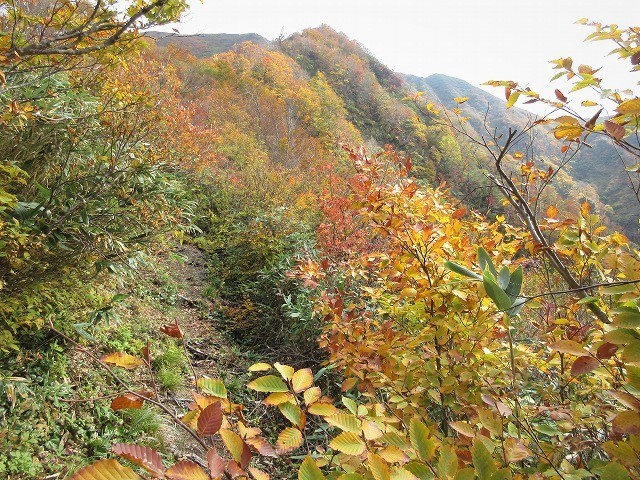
{"type": "Point", "coordinates": [206, 45]}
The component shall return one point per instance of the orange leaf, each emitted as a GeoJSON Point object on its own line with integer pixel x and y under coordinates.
{"type": "Point", "coordinates": [186, 470]}
{"type": "Point", "coordinates": [105, 469]}
{"type": "Point", "coordinates": [126, 401]}
{"type": "Point", "coordinates": [552, 211]}
{"type": "Point", "coordinates": [145, 457]}
{"type": "Point", "coordinates": [121, 359]}
{"type": "Point", "coordinates": [173, 330]}
{"type": "Point", "coordinates": [210, 419]}
{"type": "Point", "coordinates": [459, 213]}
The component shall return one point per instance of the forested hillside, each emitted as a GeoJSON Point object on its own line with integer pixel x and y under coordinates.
{"type": "Point", "coordinates": [246, 259]}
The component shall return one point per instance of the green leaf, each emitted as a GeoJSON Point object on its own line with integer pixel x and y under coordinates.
{"type": "Point", "coordinates": [309, 470]}
{"type": "Point", "coordinates": [619, 289]}
{"type": "Point", "coordinates": [350, 404]}
{"type": "Point", "coordinates": [627, 318]}
{"type": "Point", "coordinates": [631, 352]}
{"type": "Point", "coordinates": [614, 471]}
{"type": "Point", "coordinates": [345, 422]}
{"type": "Point", "coordinates": [348, 443]}
{"type": "Point", "coordinates": [419, 436]}
{"type": "Point", "coordinates": [459, 269]}
{"type": "Point", "coordinates": [504, 278]}
{"type": "Point", "coordinates": [484, 260]}
{"type": "Point", "coordinates": [448, 462]}
{"type": "Point", "coordinates": [213, 387]}
{"type": "Point", "coordinates": [465, 474]}
{"type": "Point", "coordinates": [515, 284]}
{"type": "Point", "coordinates": [291, 412]}
{"type": "Point", "coordinates": [483, 462]}
{"type": "Point", "coordinates": [268, 383]}
{"type": "Point", "coordinates": [499, 297]}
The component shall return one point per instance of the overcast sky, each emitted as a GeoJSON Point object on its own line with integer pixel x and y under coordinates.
{"type": "Point", "coordinates": [476, 40]}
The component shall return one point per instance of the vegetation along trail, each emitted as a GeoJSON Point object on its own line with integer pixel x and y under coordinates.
{"type": "Point", "coordinates": [224, 257]}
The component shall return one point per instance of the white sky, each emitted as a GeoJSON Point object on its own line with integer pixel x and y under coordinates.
{"type": "Point", "coordinates": [476, 40]}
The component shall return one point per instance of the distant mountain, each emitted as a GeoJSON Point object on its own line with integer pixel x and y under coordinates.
{"type": "Point", "coordinates": [374, 97]}
{"type": "Point", "coordinates": [206, 45]}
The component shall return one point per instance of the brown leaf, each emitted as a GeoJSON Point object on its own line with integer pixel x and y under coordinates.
{"type": "Point", "coordinates": [626, 399]}
{"type": "Point", "coordinates": [627, 422]}
{"type": "Point", "coordinates": [635, 58]}
{"type": "Point", "coordinates": [606, 351]}
{"type": "Point", "coordinates": [235, 470]}
{"type": "Point", "coordinates": [121, 359]}
{"type": "Point", "coordinates": [146, 352]}
{"type": "Point", "coordinates": [126, 401]}
{"type": "Point", "coordinates": [105, 469]}
{"type": "Point", "coordinates": [584, 365]}
{"type": "Point", "coordinates": [217, 464]}
{"type": "Point", "coordinates": [145, 457]}
{"type": "Point", "coordinates": [186, 470]}
{"type": "Point", "coordinates": [592, 121]}
{"type": "Point", "coordinates": [515, 451]}
{"type": "Point", "coordinates": [613, 129]}
{"type": "Point", "coordinates": [172, 330]}
{"type": "Point", "coordinates": [210, 419]}
{"type": "Point", "coordinates": [560, 96]}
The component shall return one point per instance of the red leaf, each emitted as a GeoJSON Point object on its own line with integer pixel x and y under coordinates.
{"type": "Point", "coordinates": [126, 401]}
{"type": "Point", "coordinates": [606, 351]}
{"type": "Point", "coordinates": [584, 365]}
{"type": "Point", "coordinates": [210, 419]}
{"type": "Point", "coordinates": [217, 464]}
{"type": "Point", "coordinates": [145, 457]}
{"type": "Point", "coordinates": [186, 470]}
{"type": "Point", "coordinates": [173, 330]}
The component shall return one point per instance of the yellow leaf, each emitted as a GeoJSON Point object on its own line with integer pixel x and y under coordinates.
{"type": "Point", "coordinates": [259, 367]}
{"type": "Point", "coordinates": [630, 107]}
{"type": "Point", "coordinates": [312, 395]}
{"type": "Point", "coordinates": [233, 442]}
{"type": "Point", "coordinates": [302, 380]}
{"type": "Point", "coordinates": [460, 100]}
{"type": "Point", "coordinates": [102, 469]}
{"type": "Point", "coordinates": [124, 360]}
{"type": "Point", "coordinates": [345, 422]}
{"type": "Point", "coordinates": [288, 440]}
{"type": "Point", "coordinates": [285, 370]}
{"type": "Point", "coordinates": [349, 443]}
